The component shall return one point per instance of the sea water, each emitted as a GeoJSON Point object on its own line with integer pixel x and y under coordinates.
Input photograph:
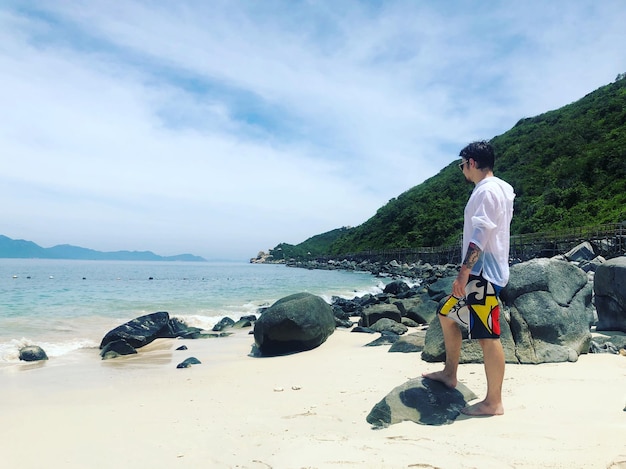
{"type": "Point", "coordinates": [67, 305]}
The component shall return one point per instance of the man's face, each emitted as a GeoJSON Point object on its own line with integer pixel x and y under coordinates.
{"type": "Point", "coordinates": [465, 168]}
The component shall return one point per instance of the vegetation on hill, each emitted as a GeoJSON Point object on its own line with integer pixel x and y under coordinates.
{"type": "Point", "coordinates": [315, 246]}
{"type": "Point", "coordinates": [568, 168]}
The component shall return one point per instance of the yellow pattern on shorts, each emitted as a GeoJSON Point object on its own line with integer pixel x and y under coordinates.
{"type": "Point", "coordinates": [478, 310]}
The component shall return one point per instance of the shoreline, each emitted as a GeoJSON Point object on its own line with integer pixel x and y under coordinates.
{"type": "Point", "coordinates": [230, 411]}
{"type": "Point", "coordinates": [70, 313]}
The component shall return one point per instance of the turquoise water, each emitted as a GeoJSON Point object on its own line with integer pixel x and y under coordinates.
{"type": "Point", "coordinates": [65, 305]}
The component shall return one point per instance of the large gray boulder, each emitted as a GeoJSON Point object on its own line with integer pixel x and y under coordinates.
{"type": "Point", "coordinates": [610, 295]}
{"type": "Point", "coordinates": [441, 288]}
{"type": "Point", "coordinates": [582, 252]}
{"type": "Point", "coordinates": [551, 312]}
{"type": "Point", "coordinates": [421, 308]}
{"type": "Point", "coordinates": [375, 313]}
{"type": "Point", "coordinates": [546, 314]}
{"type": "Point", "coordinates": [295, 323]}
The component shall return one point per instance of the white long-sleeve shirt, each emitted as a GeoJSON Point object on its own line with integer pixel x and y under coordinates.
{"type": "Point", "coordinates": [488, 215]}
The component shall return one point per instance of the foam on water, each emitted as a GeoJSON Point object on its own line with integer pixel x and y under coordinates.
{"type": "Point", "coordinates": [10, 351]}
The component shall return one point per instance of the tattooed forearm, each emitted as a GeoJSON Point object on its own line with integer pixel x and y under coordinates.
{"type": "Point", "coordinates": [472, 256]}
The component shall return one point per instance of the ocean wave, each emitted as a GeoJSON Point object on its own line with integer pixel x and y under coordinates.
{"type": "Point", "coordinates": [198, 320]}
{"type": "Point", "coordinates": [10, 351]}
{"type": "Point", "coordinates": [357, 293]}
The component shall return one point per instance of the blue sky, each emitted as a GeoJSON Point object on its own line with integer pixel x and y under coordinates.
{"type": "Point", "coordinates": [221, 128]}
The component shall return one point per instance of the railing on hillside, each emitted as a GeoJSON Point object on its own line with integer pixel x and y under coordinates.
{"type": "Point", "coordinates": [435, 255]}
{"type": "Point", "coordinates": [607, 240]}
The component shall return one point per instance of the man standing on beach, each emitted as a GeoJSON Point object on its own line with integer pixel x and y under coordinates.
{"type": "Point", "coordinates": [473, 303]}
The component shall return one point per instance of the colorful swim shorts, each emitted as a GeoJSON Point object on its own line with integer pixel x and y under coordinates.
{"type": "Point", "coordinates": [478, 311]}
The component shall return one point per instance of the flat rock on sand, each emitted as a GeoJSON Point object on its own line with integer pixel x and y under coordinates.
{"type": "Point", "coordinates": [422, 401]}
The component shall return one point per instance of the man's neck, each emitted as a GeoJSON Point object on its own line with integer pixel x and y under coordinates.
{"type": "Point", "coordinates": [480, 175]}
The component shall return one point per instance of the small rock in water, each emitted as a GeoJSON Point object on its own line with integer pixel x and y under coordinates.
{"type": "Point", "coordinates": [32, 353]}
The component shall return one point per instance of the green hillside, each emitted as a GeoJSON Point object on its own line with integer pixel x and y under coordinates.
{"type": "Point", "coordinates": [568, 168]}
{"type": "Point", "coordinates": [317, 245]}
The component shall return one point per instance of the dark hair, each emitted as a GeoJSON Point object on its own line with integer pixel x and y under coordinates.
{"type": "Point", "coordinates": [481, 152]}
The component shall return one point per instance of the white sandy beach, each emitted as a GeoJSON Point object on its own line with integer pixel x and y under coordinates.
{"type": "Point", "coordinates": [230, 412]}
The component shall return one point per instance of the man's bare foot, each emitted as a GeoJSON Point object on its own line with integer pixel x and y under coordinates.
{"type": "Point", "coordinates": [442, 377]}
{"type": "Point", "coordinates": [482, 409]}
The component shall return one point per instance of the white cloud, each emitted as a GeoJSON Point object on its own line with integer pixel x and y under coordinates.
{"type": "Point", "coordinates": [222, 128]}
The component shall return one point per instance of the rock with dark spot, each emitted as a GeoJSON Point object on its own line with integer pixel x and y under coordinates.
{"type": "Point", "coordinates": [410, 343]}
{"type": "Point", "coordinates": [389, 325]}
{"type": "Point", "coordinates": [140, 331]}
{"type": "Point", "coordinates": [610, 295]}
{"type": "Point", "coordinates": [117, 348]}
{"type": "Point", "coordinates": [242, 323]}
{"type": "Point", "coordinates": [32, 353]}
{"type": "Point", "coordinates": [293, 324]}
{"type": "Point", "coordinates": [188, 362]}
{"type": "Point", "coordinates": [343, 323]}
{"type": "Point", "coordinates": [423, 401]}
{"type": "Point", "coordinates": [385, 338]}
{"type": "Point", "coordinates": [224, 323]}
{"type": "Point", "coordinates": [372, 314]}
{"type": "Point", "coordinates": [396, 287]}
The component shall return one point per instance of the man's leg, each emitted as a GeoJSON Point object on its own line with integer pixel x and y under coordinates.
{"type": "Point", "coordinates": [452, 339]}
{"type": "Point", "coordinates": [493, 354]}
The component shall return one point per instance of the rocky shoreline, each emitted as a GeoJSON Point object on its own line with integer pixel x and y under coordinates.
{"type": "Point", "coordinates": [418, 271]}
{"type": "Point", "coordinates": [554, 309]}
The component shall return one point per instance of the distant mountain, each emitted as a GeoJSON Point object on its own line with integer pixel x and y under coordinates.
{"type": "Point", "coordinates": [22, 249]}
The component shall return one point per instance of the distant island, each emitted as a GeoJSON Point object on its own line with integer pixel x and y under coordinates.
{"type": "Point", "coordinates": [22, 249]}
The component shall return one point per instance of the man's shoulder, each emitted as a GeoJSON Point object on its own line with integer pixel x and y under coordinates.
{"type": "Point", "coordinates": [495, 189]}
{"type": "Point", "coordinates": [493, 183]}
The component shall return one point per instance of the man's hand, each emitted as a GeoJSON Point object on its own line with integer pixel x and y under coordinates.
{"type": "Point", "coordinates": [458, 287]}
{"type": "Point", "coordinates": [472, 256]}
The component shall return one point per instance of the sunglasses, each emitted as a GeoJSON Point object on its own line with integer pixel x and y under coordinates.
{"type": "Point", "coordinates": [463, 164]}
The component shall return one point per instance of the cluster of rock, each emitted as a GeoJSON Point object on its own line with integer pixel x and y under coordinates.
{"type": "Point", "coordinates": [415, 271]}
{"type": "Point", "coordinates": [550, 308]}
{"type": "Point", "coordinates": [263, 258]}
{"type": "Point", "coordinates": [128, 337]}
